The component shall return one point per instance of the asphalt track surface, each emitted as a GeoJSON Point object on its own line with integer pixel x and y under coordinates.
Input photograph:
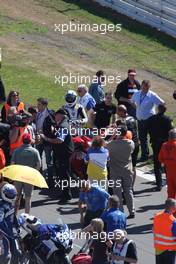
{"type": "Point", "coordinates": [147, 203]}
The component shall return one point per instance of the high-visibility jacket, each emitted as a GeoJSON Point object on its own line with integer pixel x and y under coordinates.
{"type": "Point", "coordinates": [162, 229]}
{"type": "Point", "coordinates": [167, 156]}
{"type": "Point", "coordinates": [2, 159]}
{"type": "Point", "coordinates": [19, 142]}
{"type": "Point", "coordinates": [19, 107]}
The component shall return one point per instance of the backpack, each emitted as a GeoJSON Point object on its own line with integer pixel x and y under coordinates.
{"type": "Point", "coordinates": [81, 258]}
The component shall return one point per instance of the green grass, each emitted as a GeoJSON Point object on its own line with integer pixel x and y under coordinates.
{"type": "Point", "coordinates": [9, 25]}
{"type": "Point", "coordinates": [32, 85]}
{"type": "Point", "coordinates": [136, 46]}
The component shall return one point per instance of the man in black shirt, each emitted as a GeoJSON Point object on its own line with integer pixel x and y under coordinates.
{"type": "Point", "coordinates": [104, 111]}
{"type": "Point", "coordinates": [125, 90]}
{"type": "Point", "coordinates": [63, 148]}
{"type": "Point", "coordinates": [159, 127]}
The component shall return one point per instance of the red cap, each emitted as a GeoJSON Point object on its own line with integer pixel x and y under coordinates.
{"type": "Point", "coordinates": [132, 71]}
{"type": "Point", "coordinates": [26, 138]}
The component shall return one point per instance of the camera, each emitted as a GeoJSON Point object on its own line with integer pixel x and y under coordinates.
{"type": "Point", "coordinates": [18, 119]}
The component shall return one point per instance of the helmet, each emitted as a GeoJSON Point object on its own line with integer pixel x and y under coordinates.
{"type": "Point", "coordinates": [71, 98]}
{"type": "Point", "coordinates": [8, 193]}
{"type": "Point", "coordinates": [29, 222]}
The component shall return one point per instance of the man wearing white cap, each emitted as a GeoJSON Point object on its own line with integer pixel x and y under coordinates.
{"type": "Point", "coordinates": [123, 249]}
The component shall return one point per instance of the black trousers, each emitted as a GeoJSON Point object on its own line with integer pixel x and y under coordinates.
{"type": "Point", "coordinates": [63, 171]}
{"type": "Point", "coordinates": [143, 133]}
{"type": "Point", "coordinates": [157, 165]}
{"type": "Point", "coordinates": [167, 257]}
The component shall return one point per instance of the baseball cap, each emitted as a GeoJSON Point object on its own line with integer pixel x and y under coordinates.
{"type": "Point", "coordinates": [132, 71]}
{"type": "Point", "coordinates": [26, 138]}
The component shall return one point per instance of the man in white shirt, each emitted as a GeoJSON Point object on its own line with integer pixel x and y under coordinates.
{"type": "Point", "coordinates": [87, 101]}
{"type": "Point", "coordinates": [146, 101]}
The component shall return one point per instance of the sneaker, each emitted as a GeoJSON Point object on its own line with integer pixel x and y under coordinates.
{"type": "Point", "coordinates": [65, 199]}
{"type": "Point", "coordinates": [158, 188]}
{"type": "Point", "coordinates": [131, 216]}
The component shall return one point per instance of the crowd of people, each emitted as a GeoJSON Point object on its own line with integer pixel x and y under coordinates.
{"type": "Point", "coordinates": [95, 141]}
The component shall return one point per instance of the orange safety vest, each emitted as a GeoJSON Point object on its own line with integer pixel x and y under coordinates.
{"type": "Point", "coordinates": [162, 229]}
{"type": "Point", "coordinates": [19, 142]}
{"type": "Point", "coordinates": [19, 107]}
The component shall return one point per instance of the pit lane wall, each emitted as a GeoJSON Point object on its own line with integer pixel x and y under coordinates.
{"type": "Point", "coordinates": [160, 14]}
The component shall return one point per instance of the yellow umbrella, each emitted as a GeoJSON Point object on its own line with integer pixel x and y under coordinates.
{"type": "Point", "coordinates": [24, 174]}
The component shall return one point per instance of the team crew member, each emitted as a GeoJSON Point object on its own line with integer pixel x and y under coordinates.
{"type": "Point", "coordinates": [63, 148]}
{"type": "Point", "coordinates": [97, 158]}
{"type": "Point", "coordinates": [123, 249]}
{"type": "Point", "coordinates": [164, 230]}
{"type": "Point", "coordinates": [121, 171]}
{"type": "Point", "coordinates": [28, 156]}
{"type": "Point", "coordinates": [12, 100]}
{"type": "Point", "coordinates": [113, 217]}
{"type": "Point", "coordinates": [125, 90]}
{"type": "Point", "coordinates": [96, 89]}
{"type": "Point", "coordinates": [92, 198]}
{"type": "Point", "coordinates": [145, 101]}
{"type": "Point", "coordinates": [167, 156]}
{"type": "Point", "coordinates": [131, 124]}
{"type": "Point", "coordinates": [159, 127]}
{"type": "Point", "coordinates": [104, 112]}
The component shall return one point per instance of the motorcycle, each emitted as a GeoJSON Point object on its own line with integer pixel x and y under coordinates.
{"type": "Point", "coordinates": [44, 243]}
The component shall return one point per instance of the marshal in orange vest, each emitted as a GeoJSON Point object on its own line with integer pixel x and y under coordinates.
{"type": "Point", "coordinates": [19, 142]}
{"type": "Point", "coordinates": [19, 108]}
{"type": "Point", "coordinates": [162, 229]}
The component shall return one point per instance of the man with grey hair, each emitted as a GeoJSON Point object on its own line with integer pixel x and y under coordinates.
{"type": "Point", "coordinates": [85, 99]}
{"type": "Point", "coordinates": [167, 156]}
{"type": "Point", "coordinates": [164, 230]}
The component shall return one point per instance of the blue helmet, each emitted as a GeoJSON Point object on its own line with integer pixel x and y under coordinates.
{"type": "Point", "coordinates": [8, 193]}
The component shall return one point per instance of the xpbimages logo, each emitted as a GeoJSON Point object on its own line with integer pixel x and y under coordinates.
{"type": "Point", "coordinates": [86, 79]}
{"type": "Point", "coordinates": [80, 27]}
{"type": "Point", "coordinates": [80, 131]}
{"type": "Point", "coordinates": [105, 184]}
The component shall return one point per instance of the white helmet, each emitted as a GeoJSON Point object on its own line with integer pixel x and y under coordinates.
{"type": "Point", "coordinates": [70, 98]}
{"type": "Point", "coordinates": [29, 222]}
{"type": "Point", "coordinates": [8, 193]}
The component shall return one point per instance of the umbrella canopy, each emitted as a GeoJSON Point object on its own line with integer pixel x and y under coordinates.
{"type": "Point", "coordinates": [24, 174]}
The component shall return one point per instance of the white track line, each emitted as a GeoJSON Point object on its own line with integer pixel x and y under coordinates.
{"type": "Point", "coordinates": [145, 175]}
